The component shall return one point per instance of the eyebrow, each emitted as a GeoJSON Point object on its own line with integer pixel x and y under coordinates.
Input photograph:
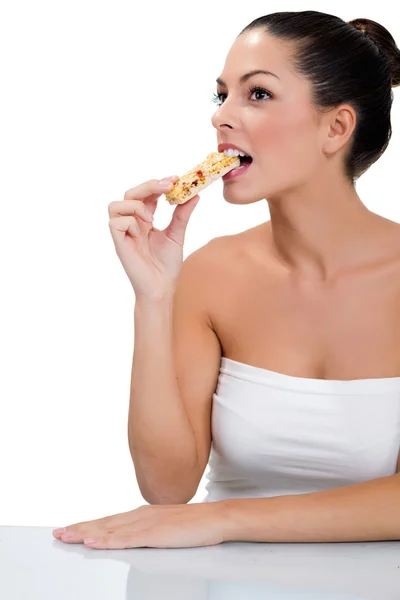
{"type": "Point", "coordinates": [247, 76]}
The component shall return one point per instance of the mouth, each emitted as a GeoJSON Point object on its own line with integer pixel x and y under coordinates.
{"type": "Point", "coordinates": [245, 164]}
{"type": "Point", "coordinates": [244, 158]}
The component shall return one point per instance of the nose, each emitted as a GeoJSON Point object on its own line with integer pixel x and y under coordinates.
{"type": "Point", "coordinates": [223, 117]}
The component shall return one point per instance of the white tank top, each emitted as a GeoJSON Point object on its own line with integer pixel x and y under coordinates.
{"type": "Point", "coordinates": [275, 434]}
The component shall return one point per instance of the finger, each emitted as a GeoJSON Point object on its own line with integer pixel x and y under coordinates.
{"type": "Point", "coordinates": [177, 227]}
{"type": "Point", "coordinates": [75, 534]}
{"type": "Point", "coordinates": [154, 187]}
{"type": "Point", "coordinates": [124, 225]}
{"type": "Point", "coordinates": [109, 523]}
{"type": "Point", "coordinates": [129, 207]}
{"type": "Point", "coordinates": [136, 539]}
{"type": "Point", "coordinates": [150, 191]}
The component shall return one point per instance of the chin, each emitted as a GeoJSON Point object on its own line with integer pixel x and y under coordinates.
{"type": "Point", "coordinates": [238, 195]}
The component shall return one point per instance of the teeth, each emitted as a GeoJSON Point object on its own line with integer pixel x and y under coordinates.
{"type": "Point", "coordinates": [231, 152]}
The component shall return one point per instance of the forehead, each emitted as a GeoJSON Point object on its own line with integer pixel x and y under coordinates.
{"type": "Point", "coordinates": [258, 50]}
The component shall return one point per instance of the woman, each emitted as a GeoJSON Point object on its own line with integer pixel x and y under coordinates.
{"type": "Point", "coordinates": [289, 331]}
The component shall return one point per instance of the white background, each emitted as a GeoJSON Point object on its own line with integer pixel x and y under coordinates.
{"type": "Point", "coordinates": [98, 96]}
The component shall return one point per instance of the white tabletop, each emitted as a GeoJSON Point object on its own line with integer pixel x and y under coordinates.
{"type": "Point", "coordinates": [34, 565]}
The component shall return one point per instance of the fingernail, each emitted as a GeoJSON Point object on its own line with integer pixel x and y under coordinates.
{"type": "Point", "coordinates": [60, 530]}
{"type": "Point", "coordinates": [69, 535]}
{"type": "Point", "coordinates": [149, 214]}
{"type": "Point", "coordinates": [166, 185]}
{"type": "Point", "coordinates": [89, 541]}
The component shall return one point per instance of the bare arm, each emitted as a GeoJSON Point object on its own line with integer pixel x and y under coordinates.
{"type": "Point", "coordinates": [174, 373]}
{"type": "Point", "coordinates": [368, 511]}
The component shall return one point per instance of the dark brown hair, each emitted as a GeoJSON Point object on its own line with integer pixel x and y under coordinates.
{"type": "Point", "coordinates": [355, 62]}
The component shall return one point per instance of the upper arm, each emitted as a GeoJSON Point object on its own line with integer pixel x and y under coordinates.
{"type": "Point", "coordinates": [196, 347]}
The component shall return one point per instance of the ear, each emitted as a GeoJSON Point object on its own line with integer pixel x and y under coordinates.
{"type": "Point", "coordinates": [340, 126]}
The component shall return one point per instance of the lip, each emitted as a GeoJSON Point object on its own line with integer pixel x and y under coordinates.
{"type": "Point", "coordinates": [225, 146]}
{"type": "Point", "coordinates": [236, 172]}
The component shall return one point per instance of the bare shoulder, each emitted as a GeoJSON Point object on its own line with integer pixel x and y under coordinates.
{"type": "Point", "coordinates": [247, 255]}
{"type": "Point", "coordinates": [225, 250]}
{"type": "Point", "coordinates": [387, 239]}
{"type": "Point", "coordinates": [220, 268]}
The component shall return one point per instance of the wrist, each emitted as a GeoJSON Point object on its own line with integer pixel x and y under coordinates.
{"type": "Point", "coordinates": [247, 519]}
{"type": "Point", "coordinates": [156, 298]}
{"type": "Point", "coordinates": [230, 520]}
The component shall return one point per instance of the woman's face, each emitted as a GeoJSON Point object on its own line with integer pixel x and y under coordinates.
{"type": "Point", "coordinates": [275, 123]}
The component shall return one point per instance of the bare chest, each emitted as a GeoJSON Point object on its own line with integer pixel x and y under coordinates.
{"type": "Point", "coordinates": [349, 329]}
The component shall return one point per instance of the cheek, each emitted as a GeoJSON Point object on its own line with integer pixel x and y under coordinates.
{"type": "Point", "coordinates": [291, 139]}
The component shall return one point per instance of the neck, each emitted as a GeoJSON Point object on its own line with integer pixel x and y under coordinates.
{"type": "Point", "coordinates": [320, 229]}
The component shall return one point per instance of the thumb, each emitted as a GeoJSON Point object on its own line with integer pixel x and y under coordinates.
{"type": "Point", "coordinates": [177, 228]}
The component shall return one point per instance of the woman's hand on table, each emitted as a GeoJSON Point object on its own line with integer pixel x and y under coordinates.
{"type": "Point", "coordinates": [152, 526]}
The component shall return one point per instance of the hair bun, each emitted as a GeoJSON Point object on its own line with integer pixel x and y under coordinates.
{"type": "Point", "coordinates": [360, 24]}
{"type": "Point", "coordinates": [385, 42]}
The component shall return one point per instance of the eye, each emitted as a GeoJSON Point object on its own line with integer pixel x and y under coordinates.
{"type": "Point", "coordinates": [218, 98]}
{"type": "Point", "coordinates": [259, 90]}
